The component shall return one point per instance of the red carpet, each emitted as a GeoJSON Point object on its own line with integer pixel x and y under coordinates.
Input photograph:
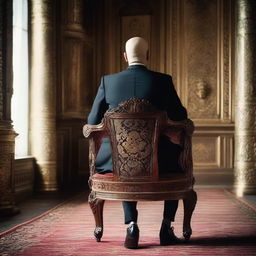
{"type": "Point", "coordinates": [222, 225]}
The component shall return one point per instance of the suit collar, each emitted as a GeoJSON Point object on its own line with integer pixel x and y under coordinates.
{"type": "Point", "coordinates": [137, 67]}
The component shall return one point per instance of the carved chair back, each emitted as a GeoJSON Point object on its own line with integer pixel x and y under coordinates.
{"type": "Point", "coordinates": [134, 128]}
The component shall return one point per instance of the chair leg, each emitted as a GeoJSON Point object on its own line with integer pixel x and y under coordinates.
{"type": "Point", "coordinates": [97, 210]}
{"type": "Point", "coordinates": [189, 205]}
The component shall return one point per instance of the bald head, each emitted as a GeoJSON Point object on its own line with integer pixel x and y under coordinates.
{"type": "Point", "coordinates": [136, 50]}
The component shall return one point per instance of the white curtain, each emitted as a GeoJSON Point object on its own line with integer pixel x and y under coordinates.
{"type": "Point", "coordinates": [20, 100]}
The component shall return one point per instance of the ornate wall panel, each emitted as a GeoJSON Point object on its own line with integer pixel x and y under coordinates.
{"type": "Point", "coordinates": [200, 64]}
{"type": "Point", "coordinates": [206, 67]}
{"type": "Point", "coordinates": [213, 150]}
{"type": "Point", "coordinates": [202, 36]}
{"type": "Point", "coordinates": [213, 154]}
{"type": "Point", "coordinates": [75, 85]}
{"type": "Point", "coordinates": [76, 73]}
{"type": "Point", "coordinates": [75, 59]}
{"type": "Point", "coordinates": [206, 151]}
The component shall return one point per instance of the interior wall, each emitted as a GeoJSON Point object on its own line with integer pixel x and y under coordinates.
{"type": "Point", "coordinates": [74, 87]}
{"type": "Point", "coordinates": [189, 39]}
{"type": "Point", "coordinates": [192, 41]}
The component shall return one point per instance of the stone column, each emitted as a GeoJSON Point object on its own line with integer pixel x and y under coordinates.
{"type": "Point", "coordinates": [7, 134]}
{"type": "Point", "coordinates": [245, 102]}
{"type": "Point", "coordinates": [43, 92]}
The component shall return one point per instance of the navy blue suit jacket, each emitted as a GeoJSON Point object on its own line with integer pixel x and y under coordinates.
{"type": "Point", "coordinates": [136, 81]}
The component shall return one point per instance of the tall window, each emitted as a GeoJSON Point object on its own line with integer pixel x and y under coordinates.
{"type": "Point", "coordinates": [20, 99]}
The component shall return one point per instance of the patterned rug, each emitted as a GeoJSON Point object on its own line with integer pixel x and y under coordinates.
{"type": "Point", "coordinates": [222, 225]}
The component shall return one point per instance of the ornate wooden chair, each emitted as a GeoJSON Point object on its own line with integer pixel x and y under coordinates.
{"type": "Point", "coordinates": [134, 128]}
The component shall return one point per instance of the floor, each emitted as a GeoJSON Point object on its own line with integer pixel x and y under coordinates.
{"type": "Point", "coordinates": [39, 204]}
{"type": "Point", "coordinates": [222, 225]}
{"type": "Point", "coordinates": [35, 206]}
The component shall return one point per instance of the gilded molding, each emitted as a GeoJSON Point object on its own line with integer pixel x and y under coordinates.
{"type": "Point", "coordinates": [226, 65]}
{"type": "Point", "coordinates": [245, 130]}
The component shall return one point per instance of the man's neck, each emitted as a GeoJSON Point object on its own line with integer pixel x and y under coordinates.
{"type": "Point", "coordinates": [136, 63]}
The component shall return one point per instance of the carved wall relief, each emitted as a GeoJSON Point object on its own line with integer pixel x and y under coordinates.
{"type": "Point", "coordinates": [201, 100]}
{"type": "Point", "coordinates": [202, 89]}
{"type": "Point", "coordinates": [201, 56]}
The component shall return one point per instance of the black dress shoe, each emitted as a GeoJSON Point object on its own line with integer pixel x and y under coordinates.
{"type": "Point", "coordinates": [132, 237]}
{"type": "Point", "coordinates": [167, 236]}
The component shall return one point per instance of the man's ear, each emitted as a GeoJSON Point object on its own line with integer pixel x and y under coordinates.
{"type": "Point", "coordinates": [125, 57]}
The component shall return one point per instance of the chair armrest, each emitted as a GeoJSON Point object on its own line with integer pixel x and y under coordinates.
{"type": "Point", "coordinates": [180, 132]}
{"type": "Point", "coordinates": [176, 130]}
{"type": "Point", "coordinates": [94, 133]}
{"type": "Point", "coordinates": [186, 125]}
{"type": "Point", "coordinates": [88, 129]}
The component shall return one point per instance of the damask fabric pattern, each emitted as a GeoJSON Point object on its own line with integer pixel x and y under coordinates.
{"type": "Point", "coordinates": [222, 225]}
{"type": "Point", "coordinates": [134, 139]}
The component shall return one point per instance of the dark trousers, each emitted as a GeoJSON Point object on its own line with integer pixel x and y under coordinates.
{"type": "Point", "coordinates": [168, 158]}
{"type": "Point", "coordinates": [131, 213]}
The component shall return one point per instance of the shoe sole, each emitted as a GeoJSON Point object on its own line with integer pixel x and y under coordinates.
{"type": "Point", "coordinates": [131, 244]}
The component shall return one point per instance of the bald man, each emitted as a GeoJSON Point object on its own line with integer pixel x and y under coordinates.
{"type": "Point", "coordinates": [138, 81]}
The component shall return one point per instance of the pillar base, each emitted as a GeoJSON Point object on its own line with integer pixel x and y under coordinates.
{"type": "Point", "coordinates": [8, 209]}
{"type": "Point", "coordinates": [7, 137]}
{"type": "Point", "coordinates": [240, 190]}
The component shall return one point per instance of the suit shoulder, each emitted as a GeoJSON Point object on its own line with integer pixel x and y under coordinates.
{"type": "Point", "coordinates": [161, 75]}
{"type": "Point", "coordinates": [109, 76]}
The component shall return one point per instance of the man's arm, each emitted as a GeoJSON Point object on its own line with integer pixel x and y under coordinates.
{"type": "Point", "coordinates": [99, 106]}
{"type": "Point", "coordinates": [175, 110]}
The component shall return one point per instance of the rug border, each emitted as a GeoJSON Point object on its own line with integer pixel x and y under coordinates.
{"type": "Point", "coordinates": [38, 217]}
{"type": "Point", "coordinates": [241, 200]}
